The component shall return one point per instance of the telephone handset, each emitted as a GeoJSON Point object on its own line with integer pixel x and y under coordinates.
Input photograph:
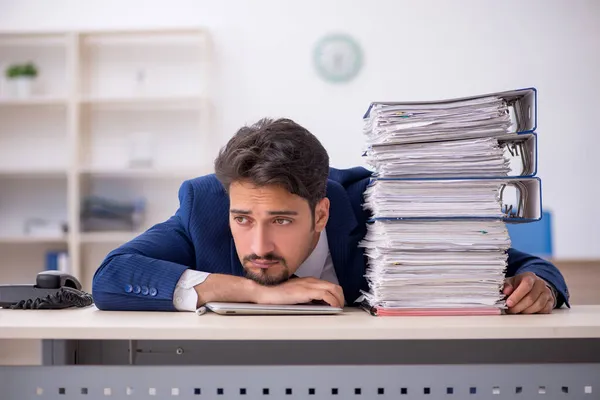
{"type": "Point", "coordinates": [52, 290]}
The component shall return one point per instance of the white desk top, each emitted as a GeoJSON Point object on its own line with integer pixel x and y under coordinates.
{"type": "Point", "coordinates": [355, 324]}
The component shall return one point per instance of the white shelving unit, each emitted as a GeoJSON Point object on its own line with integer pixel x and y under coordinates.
{"type": "Point", "coordinates": [97, 92]}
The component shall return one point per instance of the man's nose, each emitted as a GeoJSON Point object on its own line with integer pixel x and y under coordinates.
{"type": "Point", "coordinates": [261, 242]}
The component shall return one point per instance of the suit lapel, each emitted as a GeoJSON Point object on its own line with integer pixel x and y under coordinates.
{"type": "Point", "coordinates": [342, 222]}
{"type": "Point", "coordinates": [236, 265]}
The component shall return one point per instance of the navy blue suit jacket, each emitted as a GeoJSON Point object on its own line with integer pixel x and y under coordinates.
{"type": "Point", "coordinates": [142, 274]}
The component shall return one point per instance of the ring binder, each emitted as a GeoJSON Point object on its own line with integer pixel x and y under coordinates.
{"type": "Point", "coordinates": [515, 111]}
{"type": "Point", "coordinates": [522, 153]}
{"type": "Point", "coordinates": [506, 156]}
{"type": "Point", "coordinates": [472, 198]}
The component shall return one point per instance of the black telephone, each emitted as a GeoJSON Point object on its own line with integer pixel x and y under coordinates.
{"type": "Point", "coordinates": [52, 290]}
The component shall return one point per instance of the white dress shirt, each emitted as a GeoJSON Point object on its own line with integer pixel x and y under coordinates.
{"type": "Point", "coordinates": [318, 265]}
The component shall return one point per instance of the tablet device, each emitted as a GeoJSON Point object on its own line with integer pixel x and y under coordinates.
{"type": "Point", "coordinates": [270, 309]}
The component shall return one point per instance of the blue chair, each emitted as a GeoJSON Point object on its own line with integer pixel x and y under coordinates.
{"type": "Point", "coordinates": [534, 237]}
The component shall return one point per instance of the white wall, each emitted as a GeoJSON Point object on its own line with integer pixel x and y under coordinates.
{"type": "Point", "coordinates": [413, 50]}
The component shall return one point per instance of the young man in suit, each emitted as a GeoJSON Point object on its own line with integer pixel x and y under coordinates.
{"type": "Point", "coordinates": [273, 209]}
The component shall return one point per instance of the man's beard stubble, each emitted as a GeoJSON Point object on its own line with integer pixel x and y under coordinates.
{"type": "Point", "coordinates": [263, 278]}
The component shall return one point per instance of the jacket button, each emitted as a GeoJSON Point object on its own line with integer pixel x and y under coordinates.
{"type": "Point", "coordinates": [137, 289]}
{"type": "Point", "coordinates": [145, 290]}
{"type": "Point", "coordinates": [153, 292]}
{"type": "Point", "coordinates": [128, 288]}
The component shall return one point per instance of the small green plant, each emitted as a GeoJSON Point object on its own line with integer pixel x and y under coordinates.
{"type": "Point", "coordinates": [17, 70]}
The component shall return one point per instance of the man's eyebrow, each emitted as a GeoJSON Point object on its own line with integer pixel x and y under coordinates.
{"type": "Point", "coordinates": [238, 211]}
{"type": "Point", "coordinates": [274, 212]}
{"type": "Point", "coordinates": [283, 212]}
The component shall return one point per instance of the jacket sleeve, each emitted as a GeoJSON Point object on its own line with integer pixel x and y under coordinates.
{"type": "Point", "coordinates": [141, 275]}
{"type": "Point", "coordinates": [519, 262]}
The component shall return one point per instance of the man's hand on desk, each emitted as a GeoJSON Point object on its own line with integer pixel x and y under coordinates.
{"type": "Point", "coordinates": [302, 290]}
{"type": "Point", "coordinates": [528, 294]}
{"type": "Point", "coordinates": [227, 288]}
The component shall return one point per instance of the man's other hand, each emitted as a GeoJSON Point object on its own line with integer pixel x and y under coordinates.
{"type": "Point", "coordinates": [302, 290]}
{"type": "Point", "coordinates": [528, 294]}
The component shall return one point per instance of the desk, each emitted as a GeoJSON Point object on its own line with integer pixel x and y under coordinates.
{"type": "Point", "coordinates": [354, 324]}
{"type": "Point", "coordinates": [182, 355]}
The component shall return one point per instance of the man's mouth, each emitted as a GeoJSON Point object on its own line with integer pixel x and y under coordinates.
{"type": "Point", "coordinates": [263, 263]}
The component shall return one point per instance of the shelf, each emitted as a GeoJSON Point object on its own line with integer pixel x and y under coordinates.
{"type": "Point", "coordinates": [33, 40]}
{"type": "Point", "coordinates": [22, 239]}
{"type": "Point", "coordinates": [116, 237]}
{"type": "Point", "coordinates": [99, 94]}
{"type": "Point", "coordinates": [33, 172]}
{"type": "Point", "coordinates": [181, 173]}
{"type": "Point", "coordinates": [164, 102]}
{"type": "Point", "coordinates": [33, 101]}
{"type": "Point", "coordinates": [147, 38]}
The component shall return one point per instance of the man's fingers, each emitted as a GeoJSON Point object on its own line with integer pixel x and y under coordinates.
{"type": "Point", "coordinates": [524, 303]}
{"type": "Point", "coordinates": [539, 305]}
{"type": "Point", "coordinates": [539, 289]}
{"type": "Point", "coordinates": [523, 287]}
{"type": "Point", "coordinates": [508, 286]}
{"type": "Point", "coordinates": [327, 297]}
{"type": "Point", "coordinates": [332, 288]}
{"type": "Point", "coordinates": [318, 286]}
{"type": "Point", "coordinates": [549, 306]}
{"type": "Point", "coordinates": [527, 294]}
{"type": "Point", "coordinates": [340, 295]}
{"type": "Point", "coordinates": [530, 298]}
{"type": "Point", "coordinates": [544, 302]}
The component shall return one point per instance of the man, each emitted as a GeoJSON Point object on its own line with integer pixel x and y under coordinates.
{"type": "Point", "coordinates": [272, 210]}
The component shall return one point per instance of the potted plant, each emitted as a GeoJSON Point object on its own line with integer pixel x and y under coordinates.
{"type": "Point", "coordinates": [22, 76]}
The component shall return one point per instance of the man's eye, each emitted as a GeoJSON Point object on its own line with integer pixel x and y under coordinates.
{"type": "Point", "coordinates": [241, 220]}
{"type": "Point", "coordinates": [282, 221]}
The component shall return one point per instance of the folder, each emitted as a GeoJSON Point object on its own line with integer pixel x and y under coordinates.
{"type": "Point", "coordinates": [421, 312]}
{"type": "Point", "coordinates": [489, 115]}
{"type": "Point", "coordinates": [511, 200]}
{"type": "Point", "coordinates": [505, 156]}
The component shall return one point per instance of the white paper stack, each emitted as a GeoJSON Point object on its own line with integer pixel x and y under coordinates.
{"type": "Point", "coordinates": [434, 199]}
{"type": "Point", "coordinates": [435, 264]}
{"type": "Point", "coordinates": [428, 122]}
{"type": "Point", "coordinates": [483, 156]}
{"type": "Point", "coordinates": [438, 241]}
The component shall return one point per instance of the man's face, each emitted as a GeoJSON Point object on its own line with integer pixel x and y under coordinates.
{"type": "Point", "coordinates": [273, 230]}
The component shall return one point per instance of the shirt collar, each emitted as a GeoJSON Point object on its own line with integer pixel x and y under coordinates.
{"type": "Point", "coordinates": [314, 264]}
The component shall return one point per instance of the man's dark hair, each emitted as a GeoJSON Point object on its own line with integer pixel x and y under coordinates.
{"type": "Point", "coordinates": [276, 152]}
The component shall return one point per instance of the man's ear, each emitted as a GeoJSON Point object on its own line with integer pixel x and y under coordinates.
{"type": "Point", "coordinates": [321, 214]}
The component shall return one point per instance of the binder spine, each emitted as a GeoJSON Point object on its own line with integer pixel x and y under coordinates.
{"type": "Point", "coordinates": [523, 149]}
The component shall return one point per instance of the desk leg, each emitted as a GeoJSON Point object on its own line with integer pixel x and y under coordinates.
{"type": "Point", "coordinates": [132, 348]}
{"type": "Point", "coordinates": [59, 352]}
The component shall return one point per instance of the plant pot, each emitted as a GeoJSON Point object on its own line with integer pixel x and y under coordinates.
{"type": "Point", "coordinates": [22, 87]}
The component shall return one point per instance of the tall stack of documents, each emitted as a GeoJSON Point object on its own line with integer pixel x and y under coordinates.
{"type": "Point", "coordinates": [448, 176]}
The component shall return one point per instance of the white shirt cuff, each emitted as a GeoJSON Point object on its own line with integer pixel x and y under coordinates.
{"type": "Point", "coordinates": [185, 297]}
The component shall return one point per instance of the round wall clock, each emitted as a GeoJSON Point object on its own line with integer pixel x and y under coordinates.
{"type": "Point", "coordinates": [337, 58]}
